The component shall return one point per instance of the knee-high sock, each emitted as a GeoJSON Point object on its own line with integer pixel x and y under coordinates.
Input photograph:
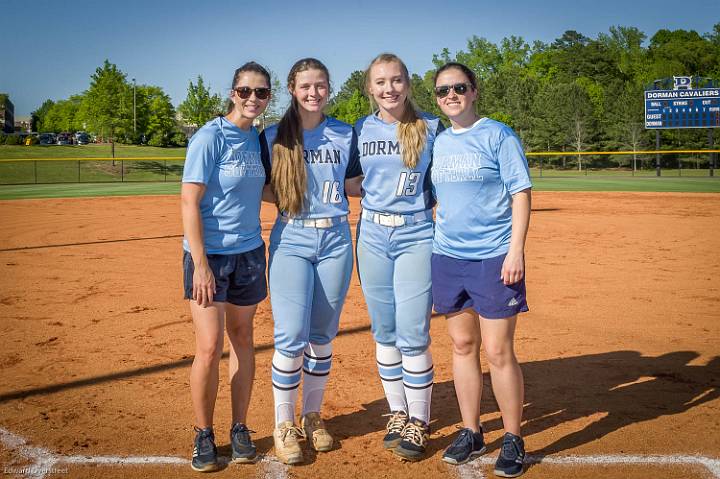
{"type": "Point", "coordinates": [417, 373]}
{"type": "Point", "coordinates": [317, 361]}
{"type": "Point", "coordinates": [286, 373]}
{"type": "Point", "coordinates": [389, 363]}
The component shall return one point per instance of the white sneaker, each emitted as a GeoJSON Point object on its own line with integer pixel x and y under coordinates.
{"type": "Point", "coordinates": [287, 448]}
{"type": "Point", "coordinates": [314, 428]}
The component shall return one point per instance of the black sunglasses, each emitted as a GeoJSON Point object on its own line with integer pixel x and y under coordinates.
{"type": "Point", "coordinates": [443, 91]}
{"type": "Point", "coordinates": [244, 92]}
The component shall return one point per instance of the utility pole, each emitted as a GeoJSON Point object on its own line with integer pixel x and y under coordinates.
{"type": "Point", "coordinates": [713, 156]}
{"type": "Point", "coordinates": [134, 111]}
{"type": "Point", "coordinates": [657, 155]}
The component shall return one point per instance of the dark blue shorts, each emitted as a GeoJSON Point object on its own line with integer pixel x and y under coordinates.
{"type": "Point", "coordinates": [459, 284]}
{"type": "Point", "coordinates": [239, 278]}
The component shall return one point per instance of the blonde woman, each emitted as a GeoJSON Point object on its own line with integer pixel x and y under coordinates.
{"type": "Point", "coordinates": [395, 246]}
{"type": "Point", "coordinates": [310, 252]}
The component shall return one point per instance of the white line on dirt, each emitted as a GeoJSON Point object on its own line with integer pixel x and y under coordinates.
{"type": "Point", "coordinates": [124, 460]}
{"type": "Point", "coordinates": [713, 465]}
{"type": "Point", "coordinates": [272, 468]}
{"type": "Point", "coordinates": [43, 462]}
{"type": "Point", "coordinates": [470, 470]}
{"type": "Point", "coordinates": [474, 469]}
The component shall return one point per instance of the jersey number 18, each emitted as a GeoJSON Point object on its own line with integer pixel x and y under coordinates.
{"type": "Point", "coordinates": [331, 192]}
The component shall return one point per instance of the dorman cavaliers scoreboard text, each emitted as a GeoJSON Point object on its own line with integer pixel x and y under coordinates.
{"type": "Point", "coordinates": [682, 108]}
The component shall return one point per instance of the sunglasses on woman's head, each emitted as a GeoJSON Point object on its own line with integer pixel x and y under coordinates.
{"type": "Point", "coordinates": [245, 92]}
{"type": "Point", "coordinates": [443, 91]}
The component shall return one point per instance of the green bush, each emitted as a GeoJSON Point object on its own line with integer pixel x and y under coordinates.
{"type": "Point", "coordinates": [158, 139]}
{"type": "Point", "coordinates": [179, 139]}
{"type": "Point", "coordinates": [2, 138]}
{"type": "Point", "coordinates": [13, 140]}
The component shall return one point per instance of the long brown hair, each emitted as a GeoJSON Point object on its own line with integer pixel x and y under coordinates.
{"type": "Point", "coordinates": [412, 130]}
{"type": "Point", "coordinates": [247, 67]}
{"type": "Point", "coordinates": [288, 179]}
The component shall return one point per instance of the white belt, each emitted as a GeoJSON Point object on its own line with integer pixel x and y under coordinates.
{"type": "Point", "coordinates": [395, 220]}
{"type": "Point", "coordinates": [315, 222]}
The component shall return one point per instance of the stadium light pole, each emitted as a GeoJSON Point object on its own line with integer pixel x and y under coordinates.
{"type": "Point", "coordinates": [134, 111]}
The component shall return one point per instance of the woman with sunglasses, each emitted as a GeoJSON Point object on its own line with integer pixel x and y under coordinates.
{"type": "Point", "coordinates": [394, 248]}
{"type": "Point", "coordinates": [224, 258]}
{"type": "Point", "coordinates": [481, 181]}
{"type": "Point", "coordinates": [311, 258]}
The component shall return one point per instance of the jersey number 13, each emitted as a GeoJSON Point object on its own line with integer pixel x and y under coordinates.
{"type": "Point", "coordinates": [407, 186]}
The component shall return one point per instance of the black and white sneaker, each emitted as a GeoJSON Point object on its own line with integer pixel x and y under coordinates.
{"type": "Point", "coordinates": [415, 436]}
{"type": "Point", "coordinates": [510, 461]}
{"type": "Point", "coordinates": [465, 447]}
{"type": "Point", "coordinates": [243, 449]}
{"type": "Point", "coordinates": [204, 458]}
{"type": "Point", "coordinates": [394, 429]}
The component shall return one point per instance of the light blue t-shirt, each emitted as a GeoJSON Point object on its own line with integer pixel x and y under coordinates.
{"type": "Point", "coordinates": [227, 161]}
{"type": "Point", "coordinates": [389, 186]}
{"type": "Point", "coordinates": [330, 152]}
{"type": "Point", "coordinates": [474, 175]}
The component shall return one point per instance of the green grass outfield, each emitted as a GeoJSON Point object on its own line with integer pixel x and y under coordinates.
{"type": "Point", "coordinates": [86, 151]}
{"type": "Point", "coordinates": [89, 171]}
{"type": "Point", "coordinates": [619, 172]}
{"type": "Point", "coordinates": [63, 164]}
{"type": "Point", "coordinates": [161, 171]}
{"type": "Point", "coordinates": [27, 171]}
{"type": "Point", "coordinates": [663, 184]}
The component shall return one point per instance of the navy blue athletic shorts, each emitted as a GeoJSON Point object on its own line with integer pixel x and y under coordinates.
{"type": "Point", "coordinates": [459, 284]}
{"type": "Point", "coordinates": [239, 278]}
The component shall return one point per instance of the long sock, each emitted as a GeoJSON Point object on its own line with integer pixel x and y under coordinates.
{"type": "Point", "coordinates": [389, 363]}
{"type": "Point", "coordinates": [286, 373]}
{"type": "Point", "coordinates": [317, 361]}
{"type": "Point", "coordinates": [417, 373]}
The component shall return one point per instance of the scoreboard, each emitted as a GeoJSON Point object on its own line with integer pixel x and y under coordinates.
{"type": "Point", "coordinates": [698, 108]}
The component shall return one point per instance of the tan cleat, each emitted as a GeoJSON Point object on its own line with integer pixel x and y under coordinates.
{"type": "Point", "coordinates": [314, 428]}
{"type": "Point", "coordinates": [287, 448]}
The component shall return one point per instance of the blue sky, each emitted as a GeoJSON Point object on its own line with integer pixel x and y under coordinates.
{"type": "Point", "coordinates": [51, 48]}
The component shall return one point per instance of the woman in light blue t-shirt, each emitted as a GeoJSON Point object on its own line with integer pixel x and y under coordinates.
{"type": "Point", "coordinates": [224, 258]}
{"type": "Point", "coordinates": [482, 184]}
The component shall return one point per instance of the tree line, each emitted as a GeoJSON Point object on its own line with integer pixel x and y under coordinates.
{"type": "Point", "coordinates": [576, 93]}
{"type": "Point", "coordinates": [114, 109]}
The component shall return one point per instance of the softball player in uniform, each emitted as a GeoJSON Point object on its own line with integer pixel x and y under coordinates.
{"type": "Point", "coordinates": [311, 256]}
{"type": "Point", "coordinates": [224, 258]}
{"type": "Point", "coordinates": [482, 184]}
{"type": "Point", "coordinates": [394, 249]}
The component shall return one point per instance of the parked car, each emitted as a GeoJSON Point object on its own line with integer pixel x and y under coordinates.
{"type": "Point", "coordinates": [64, 139]}
{"type": "Point", "coordinates": [82, 138]}
{"type": "Point", "coordinates": [47, 138]}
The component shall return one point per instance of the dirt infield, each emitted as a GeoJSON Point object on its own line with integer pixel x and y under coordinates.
{"type": "Point", "coordinates": [619, 350]}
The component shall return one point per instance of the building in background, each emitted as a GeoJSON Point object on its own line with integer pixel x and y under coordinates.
{"type": "Point", "coordinates": [23, 124]}
{"type": "Point", "coordinates": [7, 114]}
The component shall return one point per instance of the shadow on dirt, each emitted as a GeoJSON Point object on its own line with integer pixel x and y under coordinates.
{"type": "Point", "coordinates": [626, 386]}
{"type": "Point", "coordinates": [186, 362]}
